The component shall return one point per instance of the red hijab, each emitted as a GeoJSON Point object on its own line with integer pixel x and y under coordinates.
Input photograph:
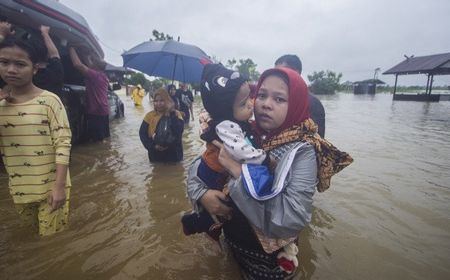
{"type": "Point", "coordinates": [298, 102]}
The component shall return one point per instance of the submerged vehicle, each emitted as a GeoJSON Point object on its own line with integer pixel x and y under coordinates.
{"type": "Point", "coordinates": [66, 27]}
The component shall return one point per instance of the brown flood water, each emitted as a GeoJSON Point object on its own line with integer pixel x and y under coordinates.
{"type": "Point", "coordinates": [387, 216]}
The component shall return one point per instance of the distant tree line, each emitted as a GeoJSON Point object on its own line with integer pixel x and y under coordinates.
{"type": "Point", "coordinates": [388, 88]}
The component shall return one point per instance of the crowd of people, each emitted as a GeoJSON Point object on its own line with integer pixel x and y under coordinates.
{"type": "Point", "coordinates": [253, 184]}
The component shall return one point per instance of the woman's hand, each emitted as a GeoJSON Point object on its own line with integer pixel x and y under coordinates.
{"type": "Point", "coordinates": [213, 201]}
{"type": "Point", "coordinates": [233, 167]}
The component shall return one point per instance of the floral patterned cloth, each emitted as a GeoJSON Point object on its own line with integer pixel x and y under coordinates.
{"type": "Point", "coordinates": [330, 160]}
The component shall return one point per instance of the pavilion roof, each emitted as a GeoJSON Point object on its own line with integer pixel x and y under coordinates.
{"type": "Point", "coordinates": [437, 64]}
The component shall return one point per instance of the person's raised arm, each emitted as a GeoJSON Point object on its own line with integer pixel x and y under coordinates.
{"type": "Point", "coordinates": [77, 62]}
{"type": "Point", "coordinates": [51, 48]}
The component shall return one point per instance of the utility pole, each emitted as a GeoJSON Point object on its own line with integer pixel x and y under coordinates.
{"type": "Point", "coordinates": [375, 74]}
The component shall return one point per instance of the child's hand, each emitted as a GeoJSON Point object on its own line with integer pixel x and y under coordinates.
{"type": "Point", "coordinates": [57, 198]}
{"type": "Point", "coordinates": [5, 94]}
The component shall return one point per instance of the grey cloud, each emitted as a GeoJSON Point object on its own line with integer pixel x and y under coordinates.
{"type": "Point", "coordinates": [349, 36]}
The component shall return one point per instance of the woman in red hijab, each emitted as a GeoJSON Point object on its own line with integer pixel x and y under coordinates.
{"type": "Point", "coordinates": [259, 229]}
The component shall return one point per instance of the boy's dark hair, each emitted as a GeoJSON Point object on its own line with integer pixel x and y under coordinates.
{"type": "Point", "coordinates": [37, 41]}
{"type": "Point", "coordinates": [25, 45]}
{"type": "Point", "coordinates": [292, 61]}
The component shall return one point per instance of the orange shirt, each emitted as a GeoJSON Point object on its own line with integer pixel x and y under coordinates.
{"type": "Point", "coordinates": [211, 157]}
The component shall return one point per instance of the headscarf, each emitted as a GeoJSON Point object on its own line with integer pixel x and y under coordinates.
{"type": "Point", "coordinates": [153, 117]}
{"type": "Point", "coordinates": [298, 127]}
{"type": "Point", "coordinates": [298, 101]}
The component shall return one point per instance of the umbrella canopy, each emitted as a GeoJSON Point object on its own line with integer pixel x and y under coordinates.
{"type": "Point", "coordinates": [168, 59]}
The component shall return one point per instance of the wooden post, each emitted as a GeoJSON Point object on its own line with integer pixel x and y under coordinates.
{"type": "Point", "coordinates": [428, 83]}
{"type": "Point", "coordinates": [395, 84]}
{"type": "Point", "coordinates": [431, 83]}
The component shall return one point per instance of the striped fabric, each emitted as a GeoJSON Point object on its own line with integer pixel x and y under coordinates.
{"type": "Point", "coordinates": [34, 137]}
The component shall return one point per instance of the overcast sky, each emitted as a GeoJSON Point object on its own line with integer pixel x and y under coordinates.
{"type": "Point", "coordinates": [349, 36]}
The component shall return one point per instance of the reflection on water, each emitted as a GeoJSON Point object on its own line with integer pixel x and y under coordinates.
{"type": "Point", "coordinates": [387, 216]}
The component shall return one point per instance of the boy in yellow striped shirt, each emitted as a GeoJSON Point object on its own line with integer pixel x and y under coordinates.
{"type": "Point", "coordinates": [35, 140]}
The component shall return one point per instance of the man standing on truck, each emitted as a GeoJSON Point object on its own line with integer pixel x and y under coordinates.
{"type": "Point", "coordinates": [96, 82]}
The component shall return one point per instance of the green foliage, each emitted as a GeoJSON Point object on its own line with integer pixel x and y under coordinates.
{"type": "Point", "coordinates": [324, 82]}
{"type": "Point", "coordinates": [244, 66]}
{"type": "Point", "coordinates": [157, 83]}
{"type": "Point", "coordinates": [138, 79]}
{"type": "Point", "coordinates": [160, 36]}
{"type": "Point", "coordinates": [231, 63]}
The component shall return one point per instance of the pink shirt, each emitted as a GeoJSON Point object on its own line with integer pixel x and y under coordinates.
{"type": "Point", "coordinates": [96, 93]}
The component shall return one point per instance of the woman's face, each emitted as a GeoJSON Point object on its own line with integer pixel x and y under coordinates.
{"type": "Point", "coordinates": [172, 91]}
{"type": "Point", "coordinates": [271, 104]}
{"type": "Point", "coordinates": [159, 104]}
{"type": "Point", "coordinates": [16, 67]}
{"type": "Point", "coordinates": [243, 105]}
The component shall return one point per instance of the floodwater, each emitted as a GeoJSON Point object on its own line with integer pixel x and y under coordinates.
{"type": "Point", "coordinates": [387, 216]}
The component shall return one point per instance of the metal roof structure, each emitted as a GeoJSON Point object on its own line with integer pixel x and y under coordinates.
{"type": "Point", "coordinates": [370, 81]}
{"type": "Point", "coordinates": [437, 64]}
{"type": "Point", "coordinates": [113, 68]}
{"type": "Point", "coordinates": [431, 65]}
